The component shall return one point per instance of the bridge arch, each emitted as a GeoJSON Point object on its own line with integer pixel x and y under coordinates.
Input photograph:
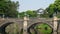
{"type": "Point", "coordinates": [3, 27]}
{"type": "Point", "coordinates": [40, 23]}
{"type": "Point", "coordinates": [33, 25]}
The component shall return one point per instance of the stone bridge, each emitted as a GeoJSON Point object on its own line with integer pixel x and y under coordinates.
{"type": "Point", "coordinates": [28, 22]}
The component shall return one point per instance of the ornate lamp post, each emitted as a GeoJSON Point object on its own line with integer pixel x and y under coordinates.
{"type": "Point", "coordinates": [25, 24]}
{"type": "Point", "coordinates": [54, 14]}
{"type": "Point", "coordinates": [55, 23]}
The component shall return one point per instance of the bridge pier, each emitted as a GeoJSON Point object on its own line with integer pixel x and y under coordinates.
{"type": "Point", "coordinates": [55, 25]}
{"type": "Point", "coordinates": [25, 25]}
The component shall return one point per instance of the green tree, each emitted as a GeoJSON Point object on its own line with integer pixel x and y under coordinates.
{"type": "Point", "coordinates": [31, 13]}
{"type": "Point", "coordinates": [53, 8]}
{"type": "Point", "coordinates": [22, 14]}
{"type": "Point", "coordinates": [9, 8]}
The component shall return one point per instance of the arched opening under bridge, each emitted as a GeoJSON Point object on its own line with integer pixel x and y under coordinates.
{"type": "Point", "coordinates": [40, 28]}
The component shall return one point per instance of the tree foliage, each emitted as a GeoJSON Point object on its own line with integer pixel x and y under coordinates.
{"type": "Point", "coordinates": [53, 8]}
{"type": "Point", "coordinates": [21, 14]}
{"type": "Point", "coordinates": [29, 13]}
{"type": "Point", "coordinates": [9, 8]}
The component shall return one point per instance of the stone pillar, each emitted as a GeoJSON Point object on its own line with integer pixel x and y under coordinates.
{"type": "Point", "coordinates": [25, 25]}
{"type": "Point", "coordinates": [55, 25]}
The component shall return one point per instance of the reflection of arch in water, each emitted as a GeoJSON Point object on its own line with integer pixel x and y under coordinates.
{"type": "Point", "coordinates": [2, 28]}
{"type": "Point", "coordinates": [33, 25]}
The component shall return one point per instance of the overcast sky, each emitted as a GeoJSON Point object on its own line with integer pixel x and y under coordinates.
{"type": "Point", "coordinates": [33, 4]}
